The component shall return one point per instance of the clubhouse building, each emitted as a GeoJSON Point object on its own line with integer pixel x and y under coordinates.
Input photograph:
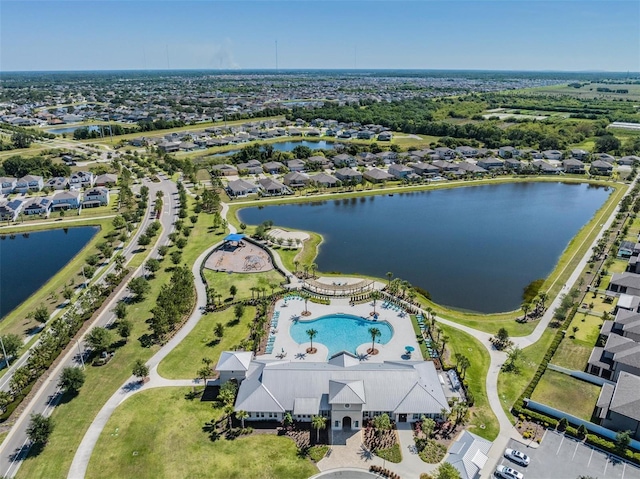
{"type": "Point", "coordinates": [344, 389]}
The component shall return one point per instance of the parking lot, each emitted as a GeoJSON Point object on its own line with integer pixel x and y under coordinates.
{"type": "Point", "coordinates": [565, 458]}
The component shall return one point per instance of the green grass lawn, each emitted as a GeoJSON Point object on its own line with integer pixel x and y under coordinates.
{"type": "Point", "coordinates": [222, 282]}
{"type": "Point", "coordinates": [567, 394]}
{"type": "Point", "coordinates": [158, 434]}
{"type": "Point", "coordinates": [185, 360]}
{"type": "Point", "coordinates": [588, 328]}
{"type": "Point", "coordinates": [572, 354]}
{"type": "Point", "coordinates": [511, 385]}
{"type": "Point", "coordinates": [481, 414]}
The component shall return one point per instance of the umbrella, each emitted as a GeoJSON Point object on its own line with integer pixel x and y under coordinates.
{"type": "Point", "coordinates": [409, 348]}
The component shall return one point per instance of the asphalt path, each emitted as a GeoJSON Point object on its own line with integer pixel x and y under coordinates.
{"type": "Point", "coordinates": [16, 445]}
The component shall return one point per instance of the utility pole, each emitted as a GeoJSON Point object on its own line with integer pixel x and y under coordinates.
{"type": "Point", "coordinates": [81, 354]}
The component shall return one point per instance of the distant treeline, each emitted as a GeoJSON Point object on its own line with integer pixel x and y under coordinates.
{"type": "Point", "coordinates": [19, 166]}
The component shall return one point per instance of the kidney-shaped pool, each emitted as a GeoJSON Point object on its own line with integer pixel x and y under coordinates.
{"type": "Point", "coordinates": [341, 332]}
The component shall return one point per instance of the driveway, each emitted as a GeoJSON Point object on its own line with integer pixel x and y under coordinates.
{"type": "Point", "coordinates": [562, 457]}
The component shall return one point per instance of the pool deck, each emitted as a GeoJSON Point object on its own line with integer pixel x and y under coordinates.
{"type": "Point", "coordinates": [394, 350]}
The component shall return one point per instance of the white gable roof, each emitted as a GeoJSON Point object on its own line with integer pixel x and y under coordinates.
{"type": "Point", "coordinates": [346, 392]}
{"type": "Point", "coordinates": [234, 361]}
{"type": "Point", "coordinates": [469, 455]}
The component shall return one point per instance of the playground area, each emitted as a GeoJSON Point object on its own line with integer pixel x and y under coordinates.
{"type": "Point", "coordinates": [239, 257]}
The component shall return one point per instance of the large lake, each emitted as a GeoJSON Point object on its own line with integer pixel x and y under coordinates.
{"type": "Point", "coordinates": [472, 248]}
{"type": "Point", "coordinates": [29, 260]}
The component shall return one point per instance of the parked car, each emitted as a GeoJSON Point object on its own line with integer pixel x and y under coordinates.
{"type": "Point", "coordinates": [506, 472]}
{"type": "Point", "coordinates": [517, 457]}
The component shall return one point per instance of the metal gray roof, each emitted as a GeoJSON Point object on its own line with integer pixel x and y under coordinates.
{"type": "Point", "coordinates": [383, 386]}
{"type": "Point", "coordinates": [234, 361]}
{"type": "Point", "coordinates": [469, 454]}
{"type": "Point", "coordinates": [626, 400]}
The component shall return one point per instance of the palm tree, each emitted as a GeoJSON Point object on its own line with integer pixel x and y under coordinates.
{"type": "Point", "coordinates": [443, 342]}
{"type": "Point", "coordinates": [296, 263]}
{"type": "Point", "coordinates": [228, 410]}
{"type": "Point", "coordinates": [463, 364]}
{"type": "Point", "coordinates": [525, 308]}
{"type": "Point", "coordinates": [375, 333]}
{"type": "Point", "coordinates": [306, 297]}
{"type": "Point", "coordinates": [542, 298]}
{"type": "Point", "coordinates": [242, 415]}
{"type": "Point", "coordinates": [312, 333]}
{"type": "Point", "coordinates": [405, 285]}
{"type": "Point", "coordinates": [314, 269]}
{"type": "Point", "coordinates": [389, 276]}
{"type": "Point", "coordinates": [375, 295]}
{"type": "Point", "coordinates": [318, 422]}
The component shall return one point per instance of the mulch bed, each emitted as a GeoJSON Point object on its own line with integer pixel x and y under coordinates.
{"type": "Point", "coordinates": [374, 440]}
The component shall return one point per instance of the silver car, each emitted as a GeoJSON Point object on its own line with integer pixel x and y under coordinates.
{"type": "Point", "coordinates": [517, 457]}
{"type": "Point", "coordinates": [507, 473]}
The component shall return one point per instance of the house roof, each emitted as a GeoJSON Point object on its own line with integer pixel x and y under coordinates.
{"type": "Point", "coordinates": [347, 172]}
{"type": "Point", "coordinates": [630, 280]}
{"type": "Point", "coordinates": [310, 406]}
{"type": "Point", "coordinates": [347, 392]}
{"type": "Point", "coordinates": [270, 184]}
{"type": "Point", "coordinates": [234, 360]}
{"type": "Point", "coordinates": [273, 165]}
{"type": "Point", "coordinates": [572, 162]}
{"type": "Point", "coordinates": [296, 177]}
{"type": "Point", "coordinates": [378, 174]}
{"type": "Point", "coordinates": [323, 178]}
{"type": "Point", "coordinates": [625, 400]}
{"type": "Point", "coordinates": [240, 185]}
{"type": "Point", "coordinates": [469, 454]}
{"type": "Point", "coordinates": [602, 165]}
{"type": "Point", "coordinates": [339, 380]}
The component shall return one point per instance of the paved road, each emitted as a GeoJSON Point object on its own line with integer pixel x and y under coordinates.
{"type": "Point", "coordinates": [15, 447]}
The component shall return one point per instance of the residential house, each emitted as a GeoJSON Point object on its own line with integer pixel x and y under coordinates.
{"type": "Point", "coordinates": [58, 183]}
{"type": "Point", "coordinates": [97, 196]}
{"type": "Point", "coordinates": [241, 187]}
{"type": "Point", "coordinates": [628, 283]}
{"type": "Point", "coordinates": [344, 390]}
{"type": "Point", "coordinates": [315, 162]}
{"type": "Point", "coordinates": [601, 167]}
{"type": "Point", "coordinates": [323, 179]}
{"type": "Point", "coordinates": [545, 168]}
{"type": "Point", "coordinates": [508, 152]}
{"type": "Point", "coordinates": [512, 164]}
{"type": "Point", "coordinates": [425, 169]}
{"type": "Point", "coordinates": [348, 175]}
{"type": "Point", "coordinates": [387, 157]}
{"type": "Point", "coordinates": [580, 154]}
{"type": "Point", "coordinates": [552, 154]}
{"type": "Point", "coordinates": [385, 136]}
{"type": "Point", "coordinates": [626, 249]}
{"type": "Point", "coordinates": [271, 187]}
{"type": "Point", "coordinates": [169, 146]}
{"type": "Point", "coordinates": [224, 170]}
{"type": "Point", "coordinates": [64, 200]}
{"type": "Point", "coordinates": [7, 184]}
{"type": "Point", "coordinates": [295, 132]}
{"type": "Point", "coordinates": [445, 153]}
{"type": "Point", "coordinates": [273, 167]}
{"type": "Point", "coordinates": [491, 163]}
{"type": "Point", "coordinates": [295, 165]}
{"type": "Point", "coordinates": [9, 210]}
{"type": "Point", "coordinates": [400, 171]}
{"type": "Point", "coordinates": [573, 166]}
{"type": "Point", "coordinates": [343, 160]}
{"type": "Point", "coordinates": [445, 166]}
{"type": "Point", "coordinates": [313, 132]}
{"type": "Point", "coordinates": [37, 206]}
{"type": "Point", "coordinates": [366, 158]}
{"type": "Point", "coordinates": [377, 175]}
{"type": "Point", "coordinates": [84, 179]}
{"type": "Point", "coordinates": [467, 151]}
{"type": "Point", "coordinates": [107, 179]}
{"type": "Point", "coordinates": [604, 157]}
{"type": "Point", "coordinates": [251, 167]}
{"type": "Point", "coordinates": [188, 146]}
{"type": "Point", "coordinates": [629, 160]}
{"type": "Point", "coordinates": [619, 354]}
{"type": "Point", "coordinates": [471, 169]}
{"type": "Point", "coordinates": [29, 183]}
{"type": "Point", "coordinates": [365, 135]}
{"type": "Point", "coordinates": [296, 179]}
{"type": "Point", "coordinates": [628, 302]}
{"type": "Point", "coordinates": [138, 142]}
{"type": "Point", "coordinates": [618, 407]}
{"type": "Point", "coordinates": [469, 454]}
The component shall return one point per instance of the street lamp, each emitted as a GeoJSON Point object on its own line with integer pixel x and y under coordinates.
{"type": "Point", "coordinates": [81, 354]}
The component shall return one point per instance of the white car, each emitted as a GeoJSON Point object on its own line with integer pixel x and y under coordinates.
{"type": "Point", "coordinates": [507, 473]}
{"type": "Point", "coordinates": [517, 457]}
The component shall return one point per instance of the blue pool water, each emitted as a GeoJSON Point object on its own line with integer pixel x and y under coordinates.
{"type": "Point", "coordinates": [341, 332]}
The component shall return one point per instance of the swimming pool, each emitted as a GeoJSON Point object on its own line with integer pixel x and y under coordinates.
{"type": "Point", "coordinates": [341, 332]}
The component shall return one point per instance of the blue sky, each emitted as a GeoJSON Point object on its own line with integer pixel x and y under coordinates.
{"type": "Point", "coordinates": [503, 35]}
